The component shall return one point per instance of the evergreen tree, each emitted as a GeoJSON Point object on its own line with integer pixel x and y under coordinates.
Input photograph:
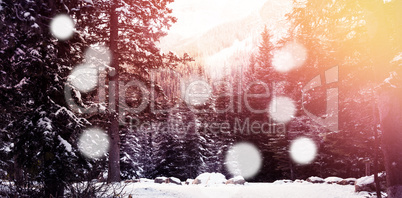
{"type": "Point", "coordinates": [364, 53]}
{"type": "Point", "coordinates": [40, 130]}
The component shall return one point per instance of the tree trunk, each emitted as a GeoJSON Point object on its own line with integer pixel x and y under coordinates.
{"type": "Point", "coordinates": [53, 185]}
{"type": "Point", "coordinates": [291, 167]}
{"type": "Point", "coordinates": [18, 174]}
{"type": "Point", "coordinates": [114, 149]}
{"type": "Point", "coordinates": [390, 111]}
{"type": "Point", "coordinates": [376, 147]}
{"type": "Point", "coordinates": [54, 189]}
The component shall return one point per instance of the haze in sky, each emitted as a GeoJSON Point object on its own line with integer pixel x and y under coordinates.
{"type": "Point", "coordinates": [213, 31]}
{"type": "Point", "coordinates": [197, 16]}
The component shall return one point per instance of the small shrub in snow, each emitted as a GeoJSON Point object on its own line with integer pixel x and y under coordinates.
{"type": "Point", "coordinates": [332, 180]}
{"type": "Point", "coordinates": [202, 179]}
{"type": "Point", "coordinates": [210, 179]}
{"type": "Point", "coordinates": [165, 180]}
{"type": "Point", "coordinates": [145, 180]}
{"type": "Point", "coordinates": [283, 181]}
{"type": "Point", "coordinates": [299, 181]}
{"type": "Point", "coordinates": [196, 181]}
{"type": "Point", "coordinates": [96, 189]}
{"type": "Point", "coordinates": [132, 181]}
{"type": "Point", "coordinates": [315, 180]}
{"type": "Point", "coordinates": [236, 180]}
{"type": "Point", "coordinates": [347, 181]}
{"type": "Point", "coordinates": [189, 181]}
{"type": "Point", "coordinates": [173, 180]}
{"type": "Point", "coordinates": [367, 183]}
{"type": "Point", "coordinates": [160, 180]}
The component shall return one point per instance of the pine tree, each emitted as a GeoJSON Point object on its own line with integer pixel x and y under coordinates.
{"type": "Point", "coordinates": [35, 67]}
{"type": "Point", "coordinates": [359, 49]}
{"type": "Point", "coordinates": [40, 129]}
{"type": "Point", "coordinates": [130, 29]}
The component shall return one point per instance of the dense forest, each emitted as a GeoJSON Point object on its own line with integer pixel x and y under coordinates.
{"type": "Point", "coordinates": [151, 114]}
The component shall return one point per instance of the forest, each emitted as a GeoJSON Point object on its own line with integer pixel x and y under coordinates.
{"type": "Point", "coordinates": [101, 102]}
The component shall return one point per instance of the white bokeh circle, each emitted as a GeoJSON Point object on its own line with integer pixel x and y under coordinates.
{"type": "Point", "coordinates": [243, 159]}
{"type": "Point", "coordinates": [98, 55]}
{"type": "Point", "coordinates": [303, 150]}
{"type": "Point", "coordinates": [282, 109]}
{"type": "Point", "coordinates": [93, 143]}
{"type": "Point", "coordinates": [62, 27]}
{"type": "Point", "coordinates": [84, 78]}
{"type": "Point", "coordinates": [290, 56]}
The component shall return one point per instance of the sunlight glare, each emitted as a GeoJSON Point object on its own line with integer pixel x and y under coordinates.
{"type": "Point", "coordinates": [289, 57]}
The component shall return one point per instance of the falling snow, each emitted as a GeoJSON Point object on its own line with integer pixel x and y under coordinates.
{"type": "Point", "coordinates": [243, 159]}
{"type": "Point", "coordinates": [62, 27]}
{"type": "Point", "coordinates": [289, 57]}
{"type": "Point", "coordinates": [282, 109]}
{"type": "Point", "coordinates": [93, 143]}
{"type": "Point", "coordinates": [84, 78]}
{"type": "Point", "coordinates": [303, 150]}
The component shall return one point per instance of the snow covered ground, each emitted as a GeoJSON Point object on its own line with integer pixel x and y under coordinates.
{"type": "Point", "coordinates": [252, 190]}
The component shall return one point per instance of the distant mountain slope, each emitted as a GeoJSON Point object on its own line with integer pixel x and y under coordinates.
{"type": "Point", "coordinates": [230, 45]}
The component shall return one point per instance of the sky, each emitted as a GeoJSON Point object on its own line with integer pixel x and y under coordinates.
{"type": "Point", "coordinates": [198, 16]}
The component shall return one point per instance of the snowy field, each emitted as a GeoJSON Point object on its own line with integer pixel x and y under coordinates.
{"type": "Point", "coordinates": [251, 190]}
